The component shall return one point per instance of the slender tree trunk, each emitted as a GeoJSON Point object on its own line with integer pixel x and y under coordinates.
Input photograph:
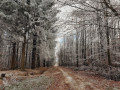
{"type": "Point", "coordinates": [44, 63]}
{"type": "Point", "coordinates": [64, 50]}
{"type": "Point", "coordinates": [108, 37]}
{"type": "Point", "coordinates": [77, 59]}
{"type": "Point", "coordinates": [26, 58]}
{"type": "Point", "coordinates": [38, 60]}
{"type": "Point", "coordinates": [85, 45]}
{"type": "Point", "coordinates": [108, 46]}
{"type": "Point", "coordinates": [23, 54]}
{"type": "Point", "coordinates": [17, 54]}
{"type": "Point", "coordinates": [13, 63]}
{"type": "Point", "coordinates": [34, 52]}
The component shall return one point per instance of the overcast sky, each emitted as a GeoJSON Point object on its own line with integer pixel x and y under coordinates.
{"type": "Point", "coordinates": [63, 16]}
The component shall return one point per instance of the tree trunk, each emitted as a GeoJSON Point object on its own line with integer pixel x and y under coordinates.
{"type": "Point", "coordinates": [77, 59]}
{"type": "Point", "coordinates": [108, 47]}
{"type": "Point", "coordinates": [17, 55]}
{"type": "Point", "coordinates": [107, 36]}
{"type": "Point", "coordinates": [38, 60]}
{"type": "Point", "coordinates": [13, 63]}
{"type": "Point", "coordinates": [26, 58]}
{"type": "Point", "coordinates": [44, 63]}
{"type": "Point", "coordinates": [34, 51]}
{"type": "Point", "coordinates": [23, 54]}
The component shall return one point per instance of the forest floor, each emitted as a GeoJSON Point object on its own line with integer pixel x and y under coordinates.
{"type": "Point", "coordinates": [55, 78]}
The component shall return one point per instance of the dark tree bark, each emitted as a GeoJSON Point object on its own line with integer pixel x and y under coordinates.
{"type": "Point", "coordinates": [34, 51]}
{"type": "Point", "coordinates": [38, 60]}
{"type": "Point", "coordinates": [26, 58]}
{"type": "Point", "coordinates": [13, 63]}
{"type": "Point", "coordinates": [44, 63]}
{"type": "Point", "coordinates": [108, 5]}
{"type": "Point", "coordinates": [77, 59]}
{"type": "Point", "coordinates": [17, 55]}
{"type": "Point", "coordinates": [108, 43]}
{"type": "Point", "coordinates": [23, 54]}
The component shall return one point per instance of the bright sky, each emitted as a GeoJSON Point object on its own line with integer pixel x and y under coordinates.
{"type": "Point", "coordinates": [63, 16]}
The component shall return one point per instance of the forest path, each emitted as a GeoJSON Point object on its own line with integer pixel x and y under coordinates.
{"type": "Point", "coordinates": [62, 78]}
{"type": "Point", "coordinates": [68, 79]}
{"type": "Point", "coordinates": [75, 81]}
{"type": "Point", "coordinates": [85, 80]}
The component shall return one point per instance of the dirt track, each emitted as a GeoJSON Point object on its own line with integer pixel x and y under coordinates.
{"type": "Point", "coordinates": [80, 80]}
{"type": "Point", "coordinates": [60, 78]}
